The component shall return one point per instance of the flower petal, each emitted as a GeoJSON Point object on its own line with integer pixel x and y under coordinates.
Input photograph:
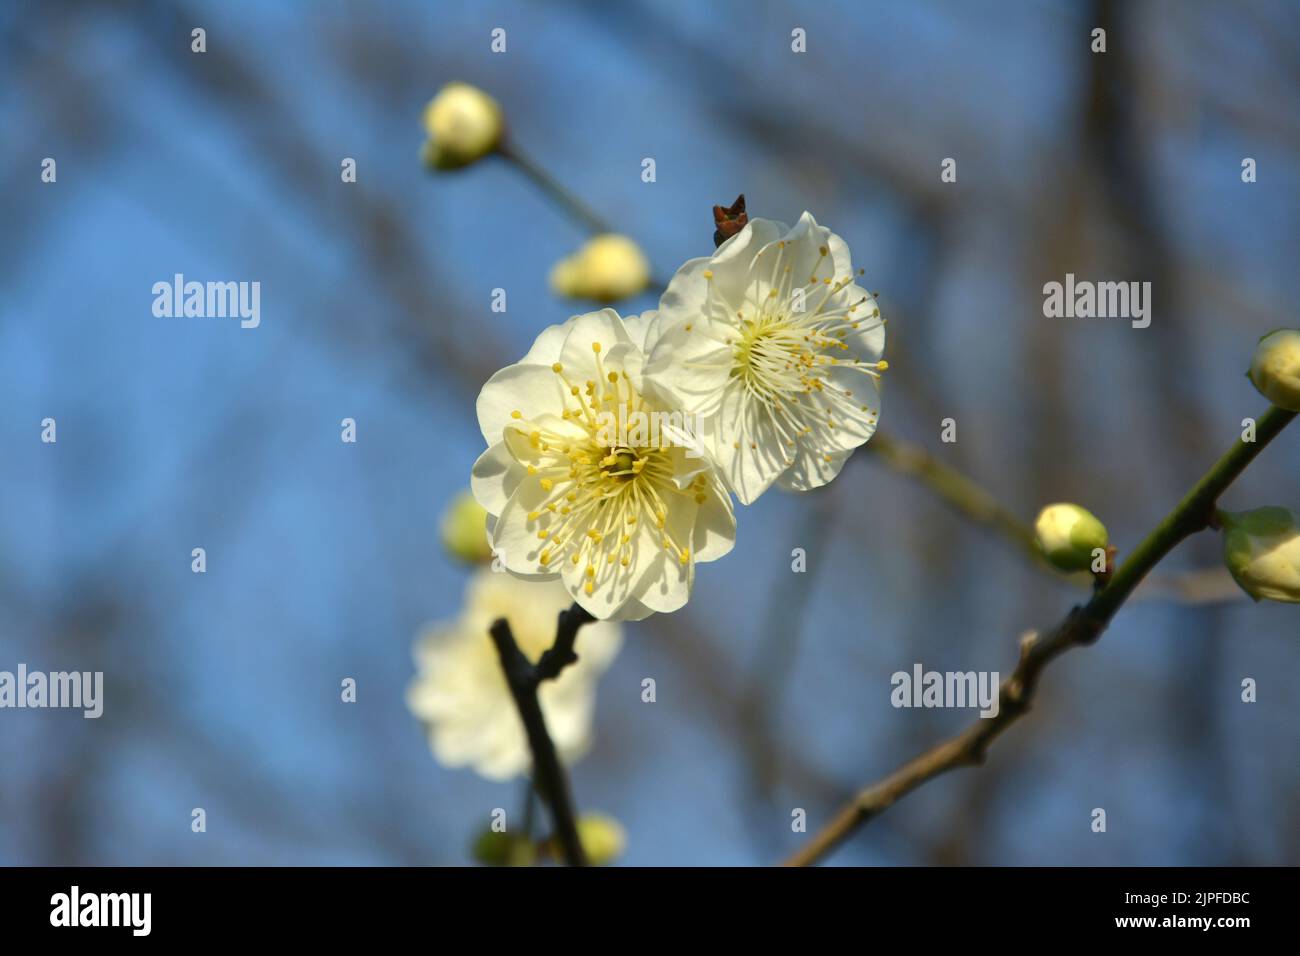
{"type": "Point", "coordinates": [749, 451]}
{"type": "Point", "coordinates": [546, 348]}
{"type": "Point", "coordinates": [667, 585]}
{"type": "Point", "coordinates": [514, 536]}
{"type": "Point", "coordinates": [495, 477]}
{"type": "Point", "coordinates": [690, 366]}
{"type": "Point", "coordinates": [604, 327]}
{"type": "Point", "coordinates": [812, 470]}
{"type": "Point", "coordinates": [804, 243]}
{"type": "Point", "coordinates": [641, 327]}
{"type": "Point", "coordinates": [528, 389]}
{"type": "Point", "coordinates": [715, 525]}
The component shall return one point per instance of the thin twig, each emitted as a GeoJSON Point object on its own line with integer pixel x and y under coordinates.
{"type": "Point", "coordinates": [972, 501]}
{"type": "Point", "coordinates": [1082, 626]}
{"type": "Point", "coordinates": [955, 488]}
{"type": "Point", "coordinates": [567, 200]}
{"type": "Point", "coordinates": [523, 678]}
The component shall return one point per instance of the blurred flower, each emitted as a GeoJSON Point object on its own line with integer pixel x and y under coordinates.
{"type": "Point", "coordinates": [464, 530]}
{"type": "Point", "coordinates": [462, 696]}
{"type": "Point", "coordinates": [772, 341]}
{"type": "Point", "coordinates": [603, 839]}
{"type": "Point", "coordinates": [622, 518]}
{"type": "Point", "coordinates": [1275, 369]}
{"type": "Point", "coordinates": [464, 124]}
{"type": "Point", "coordinates": [607, 268]}
{"type": "Point", "coordinates": [1262, 551]}
{"type": "Point", "coordinates": [1067, 536]}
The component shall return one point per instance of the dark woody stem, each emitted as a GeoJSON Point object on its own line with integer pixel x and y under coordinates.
{"type": "Point", "coordinates": [523, 678]}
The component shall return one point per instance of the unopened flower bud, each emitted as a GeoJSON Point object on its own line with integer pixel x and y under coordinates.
{"type": "Point", "coordinates": [464, 530]}
{"type": "Point", "coordinates": [1275, 369]}
{"type": "Point", "coordinates": [607, 268]}
{"type": "Point", "coordinates": [1068, 536]}
{"type": "Point", "coordinates": [729, 220]}
{"type": "Point", "coordinates": [602, 838]}
{"type": "Point", "coordinates": [464, 124]}
{"type": "Point", "coordinates": [1262, 551]}
{"type": "Point", "coordinates": [493, 848]}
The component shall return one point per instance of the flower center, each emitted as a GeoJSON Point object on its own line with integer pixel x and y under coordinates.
{"type": "Point", "coordinates": [601, 496]}
{"type": "Point", "coordinates": [770, 357]}
{"type": "Point", "coordinates": [789, 346]}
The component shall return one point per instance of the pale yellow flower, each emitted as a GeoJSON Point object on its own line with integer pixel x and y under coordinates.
{"type": "Point", "coordinates": [460, 692]}
{"type": "Point", "coordinates": [620, 520]}
{"type": "Point", "coordinates": [775, 344]}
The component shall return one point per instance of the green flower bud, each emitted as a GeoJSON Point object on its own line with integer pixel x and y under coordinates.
{"type": "Point", "coordinates": [464, 530]}
{"type": "Point", "coordinates": [492, 848]}
{"type": "Point", "coordinates": [607, 268]}
{"type": "Point", "coordinates": [1262, 551]}
{"type": "Point", "coordinates": [1275, 369]}
{"type": "Point", "coordinates": [602, 838]}
{"type": "Point", "coordinates": [1067, 536]}
{"type": "Point", "coordinates": [464, 125]}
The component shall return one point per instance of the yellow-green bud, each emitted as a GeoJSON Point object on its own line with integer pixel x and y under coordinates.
{"type": "Point", "coordinates": [1262, 551]}
{"type": "Point", "coordinates": [602, 838]}
{"type": "Point", "coordinates": [1068, 536]}
{"type": "Point", "coordinates": [464, 530]}
{"type": "Point", "coordinates": [464, 124]}
{"type": "Point", "coordinates": [607, 268]}
{"type": "Point", "coordinates": [492, 848]}
{"type": "Point", "coordinates": [1275, 369]}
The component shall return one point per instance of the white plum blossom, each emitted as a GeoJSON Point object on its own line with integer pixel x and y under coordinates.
{"type": "Point", "coordinates": [774, 343]}
{"type": "Point", "coordinates": [622, 522]}
{"type": "Point", "coordinates": [460, 691]}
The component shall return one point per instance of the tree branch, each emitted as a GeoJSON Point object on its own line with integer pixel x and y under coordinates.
{"type": "Point", "coordinates": [955, 488]}
{"type": "Point", "coordinates": [1082, 626]}
{"type": "Point", "coordinates": [972, 501]}
{"type": "Point", "coordinates": [553, 189]}
{"type": "Point", "coordinates": [523, 677]}
{"type": "Point", "coordinates": [567, 200]}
